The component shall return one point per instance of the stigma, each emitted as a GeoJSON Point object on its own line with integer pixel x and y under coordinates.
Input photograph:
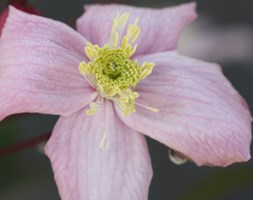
{"type": "Point", "coordinates": [111, 71]}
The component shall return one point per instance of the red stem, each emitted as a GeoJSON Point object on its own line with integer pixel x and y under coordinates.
{"type": "Point", "coordinates": [24, 145]}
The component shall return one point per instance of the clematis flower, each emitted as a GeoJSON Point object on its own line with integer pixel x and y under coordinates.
{"type": "Point", "coordinates": [21, 5]}
{"type": "Point", "coordinates": [112, 95]}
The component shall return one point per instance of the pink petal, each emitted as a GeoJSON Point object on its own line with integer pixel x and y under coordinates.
{"type": "Point", "coordinates": [21, 5]}
{"type": "Point", "coordinates": [39, 67]}
{"type": "Point", "coordinates": [201, 114]}
{"type": "Point", "coordinates": [84, 171]}
{"type": "Point", "coordinates": [160, 28]}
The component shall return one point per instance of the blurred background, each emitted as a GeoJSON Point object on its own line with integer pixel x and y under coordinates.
{"type": "Point", "coordinates": [223, 33]}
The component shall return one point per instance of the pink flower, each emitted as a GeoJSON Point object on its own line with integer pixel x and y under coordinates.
{"type": "Point", "coordinates": [98, 150]}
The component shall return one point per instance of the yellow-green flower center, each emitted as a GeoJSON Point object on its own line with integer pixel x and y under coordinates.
{"type": "Point", "coordinates": [111, 71]}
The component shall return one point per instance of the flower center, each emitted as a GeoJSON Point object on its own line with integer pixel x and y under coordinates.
{"type": "Point", "coordinates": [111, 71]}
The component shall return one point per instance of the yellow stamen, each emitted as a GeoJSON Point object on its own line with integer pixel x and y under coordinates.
{"type": "Point", "coordinates": [104, 143]}
{"type": "Point", "coordinates": [111, 71]}
{"type": "Point", "coordinates": [148, 107]}
{"type": "Point", "coordinates": [93, 108]}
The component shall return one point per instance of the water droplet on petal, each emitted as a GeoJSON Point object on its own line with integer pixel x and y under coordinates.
{"type": "Point", "coordinates": [176, 157]}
